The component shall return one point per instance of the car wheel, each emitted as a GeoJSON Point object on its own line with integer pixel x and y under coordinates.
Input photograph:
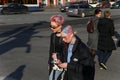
{"type": "Point", "coordinates": [5, 12]}
{"type": "Point", "coordinates": [68, 16]}
{"type": "Point", "coordinates": [118, 6]}
{"type": "Point", "coordinates": [82, 14]}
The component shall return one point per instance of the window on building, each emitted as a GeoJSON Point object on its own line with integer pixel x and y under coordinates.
{"type": "Point", "coordinates": [2, 2]}
{"type": "Point", "coordinates": [18, 1]}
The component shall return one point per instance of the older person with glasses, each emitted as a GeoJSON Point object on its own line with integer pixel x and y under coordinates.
{"type": "Point", "coordinates": [79, 64]}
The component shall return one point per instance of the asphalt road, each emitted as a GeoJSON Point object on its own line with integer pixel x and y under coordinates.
{"type": "Point", "coordinates": [24, 46]}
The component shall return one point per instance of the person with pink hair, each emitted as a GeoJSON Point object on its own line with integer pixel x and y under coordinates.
{"type": "Point", "coordinates": [55, 51]}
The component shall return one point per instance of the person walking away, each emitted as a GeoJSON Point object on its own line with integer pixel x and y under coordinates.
{"type": "Point", "coordinates": [93, 37]}
{"type": "Point", "coordinates": [106, 44]}
{"type": "Point", "coordinates": [55, 52]}
{"type": "Point", "coordinates": [78, 62]}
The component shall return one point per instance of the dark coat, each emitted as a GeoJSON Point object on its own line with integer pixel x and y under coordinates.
{"type": "Point", "coordinates": [81, 66]}
{"type": "Point", "coordinates": [106, 31]}
{"type": "Point", "coordinates": [55, 47]}
{"type": "Point", "coordinates": [93, 37]}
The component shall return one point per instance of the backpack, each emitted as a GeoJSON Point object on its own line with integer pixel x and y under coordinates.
{"type": "Point", "coordinates": [90, 26]}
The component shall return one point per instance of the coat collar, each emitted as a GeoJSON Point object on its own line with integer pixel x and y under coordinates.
{"type": "Point", "coordinates": [76, 43]}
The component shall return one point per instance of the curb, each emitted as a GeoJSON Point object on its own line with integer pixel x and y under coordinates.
{"type": "Point", "coordinates": [51, 9]}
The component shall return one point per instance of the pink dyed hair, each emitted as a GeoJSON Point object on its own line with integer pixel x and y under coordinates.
{"type": "Point", "coordinates": [57, 18]}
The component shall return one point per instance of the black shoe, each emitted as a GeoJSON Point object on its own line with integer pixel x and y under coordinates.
{"type": "Point", "coordinates": [103, 66]}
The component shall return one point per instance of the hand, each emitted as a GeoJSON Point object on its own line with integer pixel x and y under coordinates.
{"type": "Point", "coordinates": [58, 61]}
{"type": "Point", "coordinates": [113, 37]}
{"type": "Point", "coordinates": [54, 56]}
{"type": "Point", "coordinates": [63, 65]}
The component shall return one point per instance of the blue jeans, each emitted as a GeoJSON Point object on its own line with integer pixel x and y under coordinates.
{"type": "Point", "coordinates": [103, 55]}
{"type": "Point", "coordinates": [57, 74]}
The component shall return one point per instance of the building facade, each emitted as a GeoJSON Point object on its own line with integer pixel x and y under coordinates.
{"type": "Point", "coordinates": [51, 3]}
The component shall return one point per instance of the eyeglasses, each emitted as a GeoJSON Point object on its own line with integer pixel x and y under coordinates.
{"type": "Point", "coordinates": [53, 27]}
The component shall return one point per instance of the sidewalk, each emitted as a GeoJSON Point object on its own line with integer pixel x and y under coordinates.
{"type": "Point", "coordinates": [51, 9]}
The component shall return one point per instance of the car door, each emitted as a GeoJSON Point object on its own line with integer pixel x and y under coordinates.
{"type": "Point", "coordinates": [11, 8]}
{"type": "Point", "coordinates": [83, 10]}
{"type": "Point", "coordinates": [18, 8]}
{"type": "Point", "coordinates": [118, 4]}
{"type": "Point", "coordinates": [86, 9]}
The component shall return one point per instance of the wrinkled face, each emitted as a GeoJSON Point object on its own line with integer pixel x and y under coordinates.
{"type": "Point", "coordinates": [54, 26]}
{"type": "Point", "coordinates": [66, 37]}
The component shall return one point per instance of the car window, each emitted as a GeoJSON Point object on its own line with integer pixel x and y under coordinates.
{"type": "Point", "coordinates": [118, 2]}
{"type": "Point", "coordinates": [86, 6]}
{"type": "Point", "coordinates": [11, 5]}
{"type": "Point", "coordinates": [74, 6]}
{"type": "Point", "coordinates": [20, 5]}
{"type": "Point", "coordinates": [81, 6]}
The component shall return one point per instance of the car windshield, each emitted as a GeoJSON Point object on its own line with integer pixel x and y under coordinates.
{"type": "Point", "coordinates": [80, 6]}
{"type": "Point", "coordinates": [81, 2]}
{"type": "Point", "coordinates": [118, 2]}
{"type": "Point", "coordinates": [73, 6]}
{"type": "Point", "coordinates": [105, 2]}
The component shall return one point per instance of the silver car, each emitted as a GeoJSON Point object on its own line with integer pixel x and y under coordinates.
{"type": "Point", "coordinates": [80, 10]}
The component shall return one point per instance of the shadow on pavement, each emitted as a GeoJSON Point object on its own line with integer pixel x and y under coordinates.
{"type": "Point", "coordinates": [17, 74]}
{"type": "Point", "coordinates": [19, 37]}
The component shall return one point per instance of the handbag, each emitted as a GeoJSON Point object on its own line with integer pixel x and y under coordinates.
{"type": "Point", "coordinates": [117, 39]}
{"type": "Point", "coordinates": [90, 26]}
{"type": "Point", "coordinates": [117, 35]}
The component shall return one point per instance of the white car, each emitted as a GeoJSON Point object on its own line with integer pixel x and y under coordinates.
{"type": "Point", "coordinates": [94, 4]}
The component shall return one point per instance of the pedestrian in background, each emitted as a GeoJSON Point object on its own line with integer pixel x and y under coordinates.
{"type": "Point", "coordinates": [93, 37]}
{"type": "Point", "coordinates": [55, 52]}
{"type": "Point", "coordinates": [79, 64]}
{"type": "Point", "coordinates": [105, 40]}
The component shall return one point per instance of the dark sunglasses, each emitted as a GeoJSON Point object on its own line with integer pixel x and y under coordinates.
{"type": "Point", "coordinates": [52, 27]}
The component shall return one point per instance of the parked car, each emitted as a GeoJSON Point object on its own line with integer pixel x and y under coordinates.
{"type": "Point", "coordinates": [14, 8]}
{"type": "Point", "coordinates": [103, 4]}
{"type": "Point", "coordinates": [81, 10]}
{"type": "Point", "coordinates": [94, 4]}
{"type": "Point", "coordinates": [116, 5]}
{"type": "Point", "coordinates": [65, 7]}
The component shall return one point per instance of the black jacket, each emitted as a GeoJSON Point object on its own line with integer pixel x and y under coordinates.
{"type": "Point", "coordinates": [55, 47]}
{"type": "Point", "coordinates": [106, 31]}
{"type": "Point", "coordinates": [81, 66]}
